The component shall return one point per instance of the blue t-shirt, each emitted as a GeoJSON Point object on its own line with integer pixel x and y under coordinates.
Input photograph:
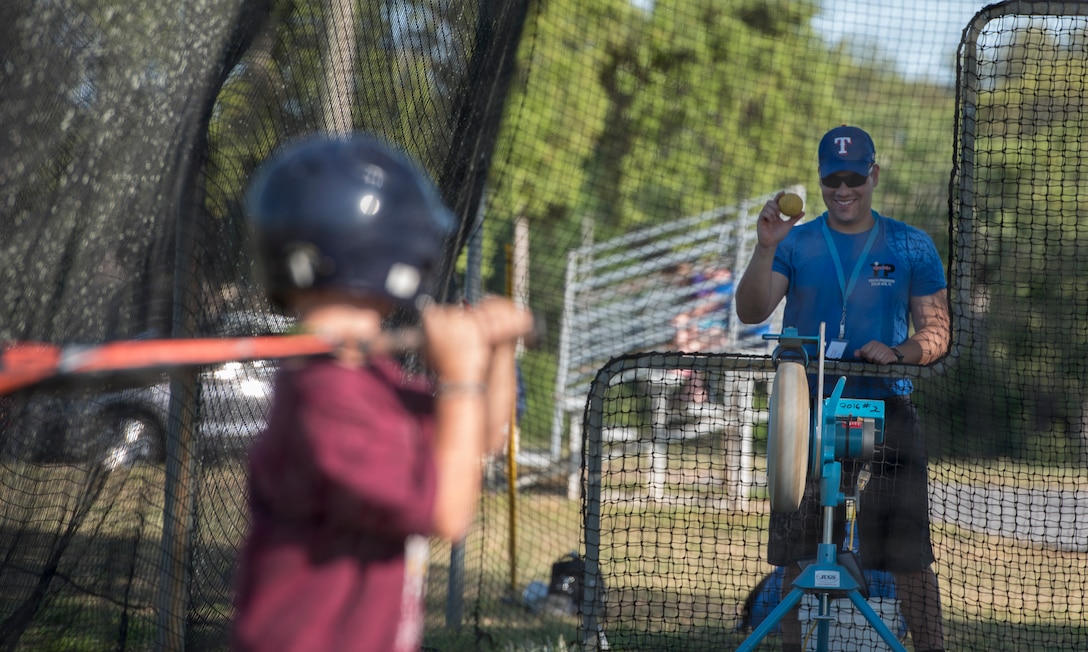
{"type": "Point", "coordinates": [902, 263]}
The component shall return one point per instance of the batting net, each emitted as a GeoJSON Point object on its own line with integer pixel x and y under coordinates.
{"type": "Point", "coordinates": [606, 161]}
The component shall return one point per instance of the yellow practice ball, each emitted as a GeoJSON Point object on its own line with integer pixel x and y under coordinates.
{"type": "Point", "coordinates": [790, 204]}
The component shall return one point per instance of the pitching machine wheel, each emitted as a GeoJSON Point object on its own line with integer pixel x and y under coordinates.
{"type": "Point", "coordinates": [788, 437]}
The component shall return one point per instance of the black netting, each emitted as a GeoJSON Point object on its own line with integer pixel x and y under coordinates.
{"type": "Point", "coordinates": [606, 160]}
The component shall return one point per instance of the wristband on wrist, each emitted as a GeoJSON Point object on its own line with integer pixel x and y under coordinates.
{"type": "Point", "coordinates": [898, 354]}
{"type": "Point", "coordinates": [464, 388]}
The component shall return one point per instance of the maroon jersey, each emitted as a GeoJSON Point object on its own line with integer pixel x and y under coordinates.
{"type": "Point", "coordinates": [341, 485]}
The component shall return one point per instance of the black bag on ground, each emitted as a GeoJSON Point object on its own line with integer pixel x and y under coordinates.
{"type": "Point", "coordinates": [565, 586]}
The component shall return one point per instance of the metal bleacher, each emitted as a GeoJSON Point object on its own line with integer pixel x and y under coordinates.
{"type": "Point", "coordinates": [623, 295]}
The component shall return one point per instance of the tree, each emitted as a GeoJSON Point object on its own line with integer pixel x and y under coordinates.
{"type": "Point", "coordinates": [1031, 253]}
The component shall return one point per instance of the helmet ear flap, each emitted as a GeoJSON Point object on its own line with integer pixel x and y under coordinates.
{"type": "Point", "coordinates": [403, 281]}
{"type": "Point", "coordinates": [349, 213]}
{"type": "Point", "coordinates": [302, 263]}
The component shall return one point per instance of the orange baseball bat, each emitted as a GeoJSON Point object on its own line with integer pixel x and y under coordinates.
{"type": "Point", "coordinates": [23, 364]}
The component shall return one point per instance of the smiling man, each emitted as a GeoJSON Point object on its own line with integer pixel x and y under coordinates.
{"type": "Point", "coordinates": [868, 278]}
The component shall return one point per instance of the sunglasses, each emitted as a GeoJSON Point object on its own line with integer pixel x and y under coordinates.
{"type": "Point", "coordinates": [852, 180]}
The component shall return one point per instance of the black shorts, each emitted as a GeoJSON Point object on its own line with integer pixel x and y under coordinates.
{"type": "Point", "coordinates": [893, 517]}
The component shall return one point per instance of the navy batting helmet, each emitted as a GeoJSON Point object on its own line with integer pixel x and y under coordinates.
{"type": "Point", "coordinates": [347, 212]}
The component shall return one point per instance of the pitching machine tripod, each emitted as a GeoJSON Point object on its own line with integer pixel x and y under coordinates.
{"type": "Point", "coordinates": [842, 428]}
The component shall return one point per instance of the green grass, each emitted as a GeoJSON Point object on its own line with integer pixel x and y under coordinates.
{"type": "Point", "coordinates": [676, 570]}
{"type": "Point", "coordinates": [1002, 472]}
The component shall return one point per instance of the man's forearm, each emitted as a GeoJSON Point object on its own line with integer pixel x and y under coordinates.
{"type": "Point", "coordinates": [753, 295]}
{"type": "Point", "coordinates": [932, 327]}
{"type": "Point", "coordinates": [925, 346]}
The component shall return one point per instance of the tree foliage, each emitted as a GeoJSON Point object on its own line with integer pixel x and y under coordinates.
{"type": "Point", "coordinates": [623, 118]}
{"type": "Point", "coordinates": [1032, 256]}
{"type": "Point", "coordinates": [620, 117]}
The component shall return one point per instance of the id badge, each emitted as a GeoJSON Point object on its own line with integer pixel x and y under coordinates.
{"type": "Point", "coordinates": [835, 349]}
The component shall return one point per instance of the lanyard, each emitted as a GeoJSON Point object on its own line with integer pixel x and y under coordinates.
{"type": "Point", "coordinates": [845, 289]}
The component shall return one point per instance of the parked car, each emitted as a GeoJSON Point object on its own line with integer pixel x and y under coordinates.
{"type": "Point", "coordinates": [121, 422]}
